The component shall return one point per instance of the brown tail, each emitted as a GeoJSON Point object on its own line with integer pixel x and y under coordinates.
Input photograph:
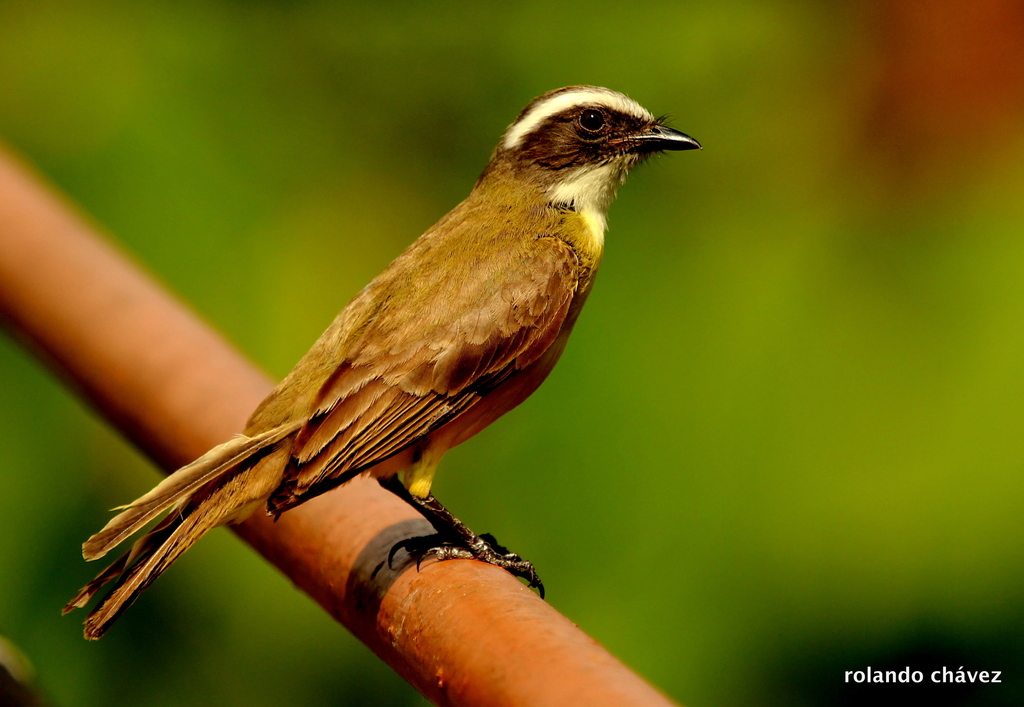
{"type": "Point", "coordinates": [152, 554]}
{"type": "Point", "coordinates": [222, 486]}
{"type": "Point", "coordinates": [178, 487]}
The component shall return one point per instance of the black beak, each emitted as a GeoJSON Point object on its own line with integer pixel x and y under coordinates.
{"type": "Point", "coordinates": [661, 137]}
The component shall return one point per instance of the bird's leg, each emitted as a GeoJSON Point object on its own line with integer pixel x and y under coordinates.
{"type": "Point", "coordinates": [454, 540]}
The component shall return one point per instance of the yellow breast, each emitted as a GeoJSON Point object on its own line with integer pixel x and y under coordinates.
{"type": "Point", "coordinates": [594, 222]}
{"type": "Point", "coordinates": [584, 231]}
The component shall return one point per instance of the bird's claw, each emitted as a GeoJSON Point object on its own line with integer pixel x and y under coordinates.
{"type": "Point", "coordinates": [483, 548]}
{"type": "Point", "coordinates": [417, 547]}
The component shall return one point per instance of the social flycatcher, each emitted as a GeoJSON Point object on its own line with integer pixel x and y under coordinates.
{"type": "Point", "coordinates": [457, 331]}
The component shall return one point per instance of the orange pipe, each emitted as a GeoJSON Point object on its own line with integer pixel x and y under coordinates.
{"type": "Point", "coordinates": [461, 632]}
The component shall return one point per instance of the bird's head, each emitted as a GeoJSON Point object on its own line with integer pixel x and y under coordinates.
{"type": "Point", "coordinates": [578, 144]}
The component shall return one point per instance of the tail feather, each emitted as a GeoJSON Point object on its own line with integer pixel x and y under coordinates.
{"type": "Point", "coordinates": [157, 551]}
{"type": "Point", "coordinates": [223, 486]}
{"type": "Point", "coordinates": [178, 487]}
{"type": "Point", "coordinates": [142, 546]}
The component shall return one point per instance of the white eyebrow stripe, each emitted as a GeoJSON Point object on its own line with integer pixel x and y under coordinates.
{"type": "Point", "coordinates": [560, 102]}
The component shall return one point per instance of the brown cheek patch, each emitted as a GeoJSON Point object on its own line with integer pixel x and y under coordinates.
{"type": "Point", "coordinates": [556, 144]}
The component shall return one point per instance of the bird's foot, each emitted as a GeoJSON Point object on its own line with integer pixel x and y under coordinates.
{"type": "Point", "coordinates": [480, 547]}
{"type": "Point", "coordinates": [453, 540]}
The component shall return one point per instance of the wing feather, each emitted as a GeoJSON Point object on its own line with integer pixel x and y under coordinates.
{"type": "Point", "coordinates": [415, 368]}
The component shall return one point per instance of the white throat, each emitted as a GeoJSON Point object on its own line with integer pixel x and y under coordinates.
{"type": "Point", "coordinates": [589, 191]}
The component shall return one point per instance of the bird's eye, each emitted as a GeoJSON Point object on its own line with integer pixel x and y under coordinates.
{"type": "Point", "coordinates": [591, 120]}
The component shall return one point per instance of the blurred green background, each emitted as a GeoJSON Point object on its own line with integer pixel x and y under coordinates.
{"type": "Point", "coordinates": [786, 438]}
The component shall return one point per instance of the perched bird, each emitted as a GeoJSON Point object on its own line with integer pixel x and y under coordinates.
{"type": "Point", "coordinates": [459, 329]}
